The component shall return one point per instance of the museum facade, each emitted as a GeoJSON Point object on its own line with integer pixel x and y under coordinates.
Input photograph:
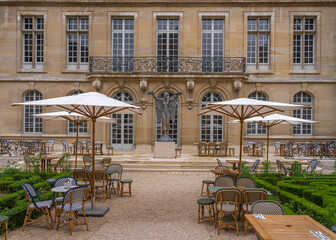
{"type": "Point", "coordinates": [210, 51]}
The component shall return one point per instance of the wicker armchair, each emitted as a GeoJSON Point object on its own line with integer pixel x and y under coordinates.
{"type": "Point", "coordinates": [282, 168]}
{"type": "Point", "coordinates": [58, 165]}
{"type": "Point", "coordinates": [28, 161]}
{"type": "Point", "coordinates": [249, 197]}
{"type": "Point", "coordinates": [87, 160]}
{"type": "Point", "coordinates": [226, 209]}
{"type": "Point", "coordinates": [66, 147]}
{"type": "Point", "coordinates": [50, 146]}
{"type": "Point", "coordinates": [73, 204]}
{"type": "Point", "coordinates": [106, 161]}
{"type": "Point", "coordinates": [312, 166]}
{"type": "Point", "coordinates": [246, 182]}
{"type": "Point", "coordinates": [101, 183]}
{"type": "Point", "coordinates": [202, 149]}
{"type": "Point", "coordinates": [34, 203]}
{"type": "Point", "coordinates": [211, 148]}
{"type": "Point", "coordinates": [119, 168]}
{"type": "Point", "coordinates": [224, 182]}
{"type": "Point", "coordinates": [267, 207]}
{"type": "Point", "coordinates": [83, 177]}
{"type": "Point", "coordinates": [255, 165]}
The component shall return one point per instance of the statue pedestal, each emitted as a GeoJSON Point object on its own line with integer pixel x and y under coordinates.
{"type": "Point", "coordinates": [164, 150]}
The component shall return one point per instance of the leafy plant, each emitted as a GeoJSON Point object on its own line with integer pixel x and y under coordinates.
{"type": "Point", "coordinates": [11, 168]}
{"type": "Point", "coordinates": [296, 171]}
{"type": "Point", "coordinates": [36, 163]}
{"type": "Point", "coordinates": [266, 165]}
{"type": "Point", "coordinates": [245, 171]}
{"type": "Point", "coordinates": [65, 164]}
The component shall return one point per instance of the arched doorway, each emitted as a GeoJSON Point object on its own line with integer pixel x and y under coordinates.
{"type": "Point", "coordinates": [122, 133]}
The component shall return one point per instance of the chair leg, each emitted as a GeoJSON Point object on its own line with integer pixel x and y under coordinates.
{"type": "Point", "coordinates": [210, 215]}
{"type": "Point", "coordinates": [59, 218]}
{"type": "Point", "coordinates": [6, 229]}
{"type": "Point", "coordinates": [26, 219]}
{"type": "Point", "coordinates": [70, 222]}
{"type": "Point", "coordinates": [49, 212]}
{"type": "Point", "coordinates": [46, 217]}
{"type": "Point", "coordinates": [85, 220]}
{"type": "Point", "coordinates": [121, 189]}
{"type": "Point", "coordinates": [199, 213]}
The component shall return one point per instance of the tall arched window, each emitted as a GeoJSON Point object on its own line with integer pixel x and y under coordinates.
{"type": "Point", "coordinates": [212, 126]}
{"type": "Point", "coordinates": [122, 132]}
{"type": "Point", "coordinates": [32, 124]}
{"type": "Point", "coordinates": [255, 128]}
{"type": "Point", "coordinates": [303, 98]}
{"type": "Point", "coordinates": [174, 125]}
{"type": "Point", "coordinates": [72, 128]}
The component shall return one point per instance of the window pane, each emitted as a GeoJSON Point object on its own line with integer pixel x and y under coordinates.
{"type": "Point", "coordinates": [84, 24]}
{"type": "Point", "coordinates": [263, 24]}
{"type": "Point", "coordinates": [297, 24]}
{"type": "Point", "coordinates": [72, 23]}
{"type": "Point", "coordinates": [251, 48]}
{"type": "Point", "coordinates": [28, 23]}
{"type": "Point", "coordinates": [72, 48]}
{"type": "Point", "coordinates": [252, 24]}
{"type": "Point", "coordinates": [39, 24]}
{"type": "Point", "coordinates": [309, 24]}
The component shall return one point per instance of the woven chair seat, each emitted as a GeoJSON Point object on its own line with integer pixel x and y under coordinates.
{"type": "Point", "coordinates": [41, 204]}
{"type": "Point", "coordinates": [75, 207]}
{"type": "Point", "coordinates": [126, 181]}
{"type": "Point", "coordinates": [99, 184]}
{"type": "Point", "coordinates": [82, 183]}
{"type": "Point", "coordinates": [59, 199]}
{"type": "Point", "coordinates": [208, 181]}
{"type": "Point", "coordinates": [206, 201]}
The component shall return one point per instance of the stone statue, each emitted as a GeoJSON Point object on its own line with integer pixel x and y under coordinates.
{"type": "Point", "coordinates": [165, 107]}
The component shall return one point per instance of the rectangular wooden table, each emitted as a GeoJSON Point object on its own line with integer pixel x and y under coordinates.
{"type": "Point", "coordinates": [279, 227]}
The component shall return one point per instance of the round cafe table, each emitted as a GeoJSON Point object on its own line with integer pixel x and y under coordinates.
{"type": "Point", "coordinates": [61, 189]}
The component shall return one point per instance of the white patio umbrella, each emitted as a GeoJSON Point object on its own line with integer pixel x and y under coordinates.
{"type": "Point", "coordinates": [92, 105]}
{"type": "Point", "coordinates": [243, 108]}
{"type": "Point", "coordinates": [72, 117]}
{"type": "Point", "coordinates": [273, 120]}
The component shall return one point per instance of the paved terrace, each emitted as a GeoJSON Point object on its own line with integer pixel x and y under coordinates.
{"type": "Point", "coordinates": [163, 206]}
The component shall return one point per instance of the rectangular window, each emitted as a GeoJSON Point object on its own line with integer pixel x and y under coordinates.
{"type": "Point", "coordinates": [123, 44]}
{"type": "Point", "coordinates": [78, 43]}
{"type": "Point", "coordinates": [212, 45]}
{"type": "Point", "coordinates": [167, 37]}
{"type": "Point", "coordinates": [32, 42]}
{"type": "Point", "coordinates": [258, 43]}
{"type": "Point", "coordinates": [304, 30]}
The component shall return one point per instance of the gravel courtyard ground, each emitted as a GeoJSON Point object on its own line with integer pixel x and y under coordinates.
{"type": "Point", "coordinates": [163, 206]}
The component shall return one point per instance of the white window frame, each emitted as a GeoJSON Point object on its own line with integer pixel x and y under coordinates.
{"type": "Point", "coordinates": [36, 110]}
{"type": "Point", "coordinates": [123, 31]}
{"type": "Point", "coordinates": [34, 32]}
{"type": "Point", "coordinates": [303, 33]}
{"type": "Point", "coordinates": [211, 117]}
{"type": "Point", "coordinates": [78, 65]}
{"type": "Point", "coordinates": [259, 96]}
{"type": "Point", "coordinates": [310, 104]}
{"type": "Point", "coordinates": [168, 31]}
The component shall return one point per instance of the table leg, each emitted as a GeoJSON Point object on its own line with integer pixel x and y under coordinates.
{"type": "Point", "coordinates": [101, 149]}
{"type": "Point", "coordinates": [234, 166]}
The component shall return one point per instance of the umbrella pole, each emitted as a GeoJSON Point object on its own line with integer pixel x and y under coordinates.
{"type": "Point", "coordinates": [93, 204]}
{"type": "Point", "coordinates": [76, 153]}
{"type": "Point", "coordinates": [241, 143]}
{"type": "Point", "coordinates": [268, 128]}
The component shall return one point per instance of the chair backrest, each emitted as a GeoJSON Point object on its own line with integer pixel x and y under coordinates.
{"type": "Point", "coordinates": [87, 160]}
{"type": "Point", "coordinates": [59, 162]}
{"type": "Point", "coordinates": [211, 145]}
{"type": "Point", "coordinates": [27, 159]}
{"type": "Point", "coordinates": [277, 144]}
{"type": "Point", "coordinates": [312, 165]}
{"type": "Point", "coordinates": [252, 195]}
{"type": "Point", "coordinates": [221, 167]}
{"type": "Point", "coordinates": [106, 161]}
{"type": "Point", "coordinates": [267, 207]}
{"type": "Point", "coordinates": [259, 145]}
{"type": "Point", "coordinates": [281, 167]}
{"type": "Point", "coordinates": [77, 194]}
{"type": "Point", "coordinates": [82, 174]}
{"type": "Point", "coordinates": [50, 142]}
{"type": "Point", "coordinates": [255, 165]}
{"type": "Point", "coordinates": [98, 166]}
{"type": "Point", "coordinates": [225, 196]}
{"type": "Point", "coordinates": [118, 167]}
{"type": "Point", "coordinates": [246, 182]}
{"type": "Point", "coordinates": [219, 163]}
{"type": "Point", "coordinates": [224, 182]}
{"type": "Point", "coordinates": [30, 193]}
{"type": "Point", "coordinates": [202, 145]}
{"type": "Point", "coordinates": [60, 182]}
{"type": "Point", "coordinates": [250, 143]}
{"type": "Point", "coordinates": [101, 175]}
{"type": "Point", "coordinates": [64, 143]}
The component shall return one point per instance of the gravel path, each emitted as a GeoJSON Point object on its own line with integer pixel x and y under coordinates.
{"type": "Point", "coordinates": [163, 206]}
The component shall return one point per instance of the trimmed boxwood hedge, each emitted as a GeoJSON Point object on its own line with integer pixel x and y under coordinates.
{"type": "Point", "coordinates": [313, 196]}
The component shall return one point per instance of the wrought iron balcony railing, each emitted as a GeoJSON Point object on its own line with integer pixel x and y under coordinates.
{"type": "Point", "coordinates": [226, 65]}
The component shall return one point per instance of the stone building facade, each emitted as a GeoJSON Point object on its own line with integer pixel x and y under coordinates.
{"type": "Point", "coordinates": [218, 50]}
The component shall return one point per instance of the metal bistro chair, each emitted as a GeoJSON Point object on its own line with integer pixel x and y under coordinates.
{"type": "Point", "coordinates": [277, 145]}
{"type": "Point", "coordinates": [267, 207]}
{"type": "Point", "coordinates": [98, 146]}
{"type": "Point", "coordinates": [50, 146]}
{"type": "Point", "coordinates": [246, 182]}
{"type": "Point", "coordinates": [80, 148]}
{"type": "Point", "coordinates": [58, 165]}
{"type": "Point", "coordinates": [202, 149]}
{"type": "Point", "coordinates": [73, 203]}
{"type": "Point", "coordinates": [101, 183]}
{"type": "Point", "coordinates": [220, 167]}
{"type": "Point", "coordinates": [66, 147]}
{"type": "Point", "coordinates": [58, 197]}
{"type": "Point", "coordinates": [34, 203]}
{"type": "Point", "coordinates": [211, 148]}
{"type": "Point", "coordinates": [312, 166]}
{"type": "Point", "coordinates": [87, 160]}
{"type": "Point", "coordinates": [249, 196]}
{"type": "Point", "coordinates": [282, 168]}
{"type": "Point", "coordinates": [106, 161]}
{"type": "Point", "coordinates": [98, 166]}
{"type": "Point", "coordinates": [226, 206]}
{"type": "Point", "coordinates": [119, 168]}
{"type": "Point", "coordinates": [255, 165]}
{"type": "Point", "coordinates": [28, 161]}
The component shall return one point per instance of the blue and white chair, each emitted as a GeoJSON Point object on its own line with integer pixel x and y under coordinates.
{"type": "Point", "coordinates": [34, 203]}
{"type": "Point", "coordinates": [255, 165]}
{"type": "Point", "coordinates": [73, 204]}
{"type": "Point", "coordinates": [58, 197]}
{"type": "Point", "coordinates": [312, 166]}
